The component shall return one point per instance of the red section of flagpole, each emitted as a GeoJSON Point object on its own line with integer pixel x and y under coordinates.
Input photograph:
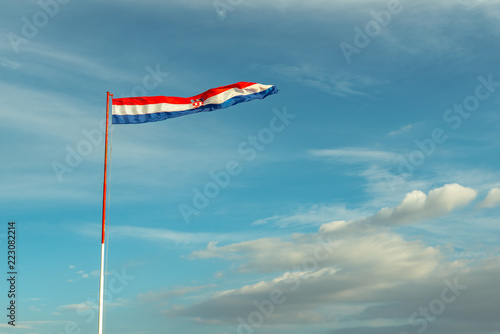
{"type": "Point", "coordinates": [105, 170]}
{"type": "Point", "coordinates": [101, 281]}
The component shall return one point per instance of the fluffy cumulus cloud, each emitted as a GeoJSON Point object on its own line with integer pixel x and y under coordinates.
{"type": "Point", "coordinates": [318, 269]}
{"type": "Point", "coordinates": [324, 250]}
{"type": "Point", "coordinates": [350, 300]}
{"type": "Point", "coordinates": [353, 283]}
{"type": "Point", "coordinates": [492, 200]}
{"type": "Point", "coordinates": [345, 279]}
{"type": "Point", "coordinates": [416, 206]}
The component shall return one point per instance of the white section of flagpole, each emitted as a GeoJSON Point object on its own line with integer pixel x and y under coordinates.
{"type": "Point", "coordinates": [101, 282]}
{"type": "Point", "coordinates": [101, 291]}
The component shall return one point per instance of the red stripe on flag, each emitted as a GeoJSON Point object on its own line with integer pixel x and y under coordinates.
{"type": "Point", "coordinates": [178, 100]}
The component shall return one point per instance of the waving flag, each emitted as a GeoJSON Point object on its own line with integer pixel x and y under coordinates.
{"type": "Point", "coordinates": [132, 110]}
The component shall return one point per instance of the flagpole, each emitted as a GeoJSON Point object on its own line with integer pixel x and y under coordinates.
{"type": "Point", "coordinates": [101, 283]}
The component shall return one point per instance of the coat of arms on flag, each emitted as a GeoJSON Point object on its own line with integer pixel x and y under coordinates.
{"type": "Point", "coordinates": [197, 103]}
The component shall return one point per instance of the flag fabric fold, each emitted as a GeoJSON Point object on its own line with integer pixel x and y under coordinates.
{"type": "Point", "coordinates": [134, 110]}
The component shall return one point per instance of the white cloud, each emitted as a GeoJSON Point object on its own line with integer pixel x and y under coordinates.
{"type": "Point", "coordinates": [162, 235]}
{"type": "Point", "coordinates": [78, 307]}
{"type": "Point", "coordinates": [338, 84]}
{"type": "Point", "coordinates": [10, 64]}
{"type": "Point", "coordinates": [416, 206]}
{"type": "Point", "coordinates": [356, 273]}
{"type": "Point", "coordinates": [370, 250]}
{"type": "Point", "coordinates": [37, 57]}
{"type": "Point", "coordinates": [88, 305]}
{"type": "Point", "coordinates": [311, 215]}
{"type": "Point", "coordinates": [401, 130]}
{"type": "Point", "coordinates": [492, 199]}
{"type": "Point", "coordinates": [379, 274]}
{"type": "Point", "coordinates": [358, 237]}
{"type": "Point", "coordinates": [355, 155]}
{"type": "Point", "coordinates": [165, 295]}
{"type": "Point", "coordinates": [31, 324]}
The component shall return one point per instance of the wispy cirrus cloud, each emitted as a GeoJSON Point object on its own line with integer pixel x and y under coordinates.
{"type": "Point", "coordinates": [89, 305]}
{"type": "Point", "coordinates": [162, 235]}
{"type": "Point", "coordinates": [32, 324]}
{"type": "Point", "coordinates": [10, 64]}
{"type": "Point", "coordinates": [354, 155]}
{"type": "Point", "coordinates": [165, 295]}
{"type": "Point", "coordinates": [81, 307]}
{"type": "Point", "coordinates": [403, 129]}
{"type": "Point", "coordinates": [312, 215]}
{"type": "Point", "coordinates": [337, 84]}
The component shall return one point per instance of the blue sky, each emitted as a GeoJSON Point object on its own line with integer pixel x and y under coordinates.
{"type": "Point", "coordinates": [373, 209]}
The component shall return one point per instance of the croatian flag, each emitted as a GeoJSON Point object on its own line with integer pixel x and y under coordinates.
{"type": "Point", "coordinates": [132, 110]}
